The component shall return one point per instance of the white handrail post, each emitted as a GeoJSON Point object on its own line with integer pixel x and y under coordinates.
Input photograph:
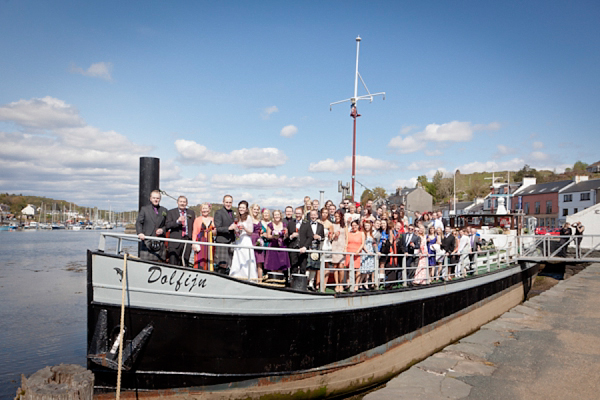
{"type": "Point", "coordinates": [475, 261]}
{"type": "Point", "coordinates": [351, 274]}
{"type": "Point", "coordinates": [119, 245]}
{"type": "Point", "coordinates": [489, 262]}
{"type": "Point", "coordinates": [427, 275]}
{"type": "Point", "coordinates": [404, 278]}
{"type": "Point", "coordinates": [445, 272]}
{"type": "Point", "coordinates": [322, 283]}
{"type": "Point", "coordinates": [376, 273]}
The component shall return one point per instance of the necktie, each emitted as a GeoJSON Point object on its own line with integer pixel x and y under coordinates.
{"type": "Point", "coordinates": [184, 225]}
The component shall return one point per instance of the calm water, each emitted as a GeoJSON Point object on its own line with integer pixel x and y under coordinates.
{"type": "Point", "coordinates": [43, 301]}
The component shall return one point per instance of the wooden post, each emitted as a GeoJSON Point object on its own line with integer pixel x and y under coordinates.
{"type": "Point", "coordinates": [61, 382]}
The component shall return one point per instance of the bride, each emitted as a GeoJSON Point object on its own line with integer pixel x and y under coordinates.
{"type": "Point", "coordinates": [243, 264]}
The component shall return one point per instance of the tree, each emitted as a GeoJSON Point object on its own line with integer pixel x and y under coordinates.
{"type": "Point", "coordinates": [366, 195]}
{"type": "Point", "coordinates": [477, 189]}
{"type": "Point", "coordinates": [579, 166]}
{"type": "Point", "coordinates": [379, 193]}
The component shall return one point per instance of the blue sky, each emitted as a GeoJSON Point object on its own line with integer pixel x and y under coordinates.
{"type": "Point", "coordinates": [233, 97]}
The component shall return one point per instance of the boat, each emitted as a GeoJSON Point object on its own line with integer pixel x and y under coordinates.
{"type": "Point", "coordinates": [200, 334]}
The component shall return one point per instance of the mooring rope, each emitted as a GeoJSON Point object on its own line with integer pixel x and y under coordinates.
{"type": "Point", "coordinates": [121, 338]}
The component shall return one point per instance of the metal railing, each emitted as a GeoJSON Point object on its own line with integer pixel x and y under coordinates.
{"type": "Point", "coordinates": [399, 270]}
{"type": "Point", "coordinates": [580, 248]}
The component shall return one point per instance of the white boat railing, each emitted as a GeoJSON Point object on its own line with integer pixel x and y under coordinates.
{"type": "Point", "coordinates": [403, 267]}
{"type": "Point", "coordinates": [552, 247]}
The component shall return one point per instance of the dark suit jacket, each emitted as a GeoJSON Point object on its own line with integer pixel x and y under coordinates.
{"type": "Point", "coordinates": [448, 243]}
{"type": "Point", "coordinates": [222, 223]}
{"type": "Point", "coordinates": [407, 248]}
{"type": "Point", "coordinates": [306, 235]}
{"type": "Point", "coordinates": [176, 228]}
{"type": "Point", "coordinates": [298, 241]}
{"type": "Point", "coordinates": [148, 221]}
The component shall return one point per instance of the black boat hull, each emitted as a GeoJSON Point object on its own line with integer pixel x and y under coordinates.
{"type": "Point", "coordinates": [219, 352]}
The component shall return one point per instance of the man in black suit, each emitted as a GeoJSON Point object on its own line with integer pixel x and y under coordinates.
{"type": "Point", "coordinates": [313, 239]}
{"type": "Point", "coordinates": [448, 245]}
{"type": "Point", "coordinates": [224, 224]}
{"type": "Point", "coordinates": [299, 234]}
{"type": "Point", "coordinates": [180, 224]}
{"type": "Point", "coordinates": [410, 245]}
{"type": "Point", "coordinates": [151, 222]}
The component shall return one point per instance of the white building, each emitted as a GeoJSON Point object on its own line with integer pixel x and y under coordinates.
{"type": "Point", "coordinates": [577, 198]}
{"type": "Point", "coordinates": [29, 211]}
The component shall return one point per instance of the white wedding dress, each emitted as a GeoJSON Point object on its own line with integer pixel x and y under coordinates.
{"type": "Point", "coordinates": [243, 264]}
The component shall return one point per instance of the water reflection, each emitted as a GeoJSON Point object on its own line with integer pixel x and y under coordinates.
{"type": "Point", "coordinates": [43, 310]}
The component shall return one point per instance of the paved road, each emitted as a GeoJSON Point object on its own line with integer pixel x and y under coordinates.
{"type": "Point", "coordinates": [546, 348]}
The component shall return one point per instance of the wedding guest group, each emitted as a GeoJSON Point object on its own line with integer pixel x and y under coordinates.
{"type": "Point", "coordinates": [370, 248]}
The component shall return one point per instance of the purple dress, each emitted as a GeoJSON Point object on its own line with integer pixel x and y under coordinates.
{"type": "Point", "coordinates": [277, 260]}
{"type": "Point", "coordinates": [256, 234]}
{"type": "Point", "coordinates": [431, 251]}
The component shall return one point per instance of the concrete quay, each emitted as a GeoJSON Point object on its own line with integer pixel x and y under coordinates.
{"type": "Point", "coordinates": [546, 348]}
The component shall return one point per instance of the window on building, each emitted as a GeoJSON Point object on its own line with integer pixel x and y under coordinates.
{"type": "Point", "coordinates": [584, 196]}
{"type": "Point", "coordinates": [549, 207]}
{"type": "Point", "coordinates": [526, 208]}
{"type": "Point", "coordinates": [565, 212]}
{"type": "Point", "coordinates": [575, 211]}
{"type": "Point", "coordinates": [553, 222]}
{"type": "Point", "coordinates": [567, 198]}
{"type": "Point", "coordinates": [537, 207]}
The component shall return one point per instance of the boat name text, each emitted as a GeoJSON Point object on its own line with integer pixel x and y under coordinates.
{"type": "Point", "coordinates": [186, 279]}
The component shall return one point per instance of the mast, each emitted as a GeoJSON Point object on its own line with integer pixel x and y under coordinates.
{"type": "Point", "coordinates": [354, 112]}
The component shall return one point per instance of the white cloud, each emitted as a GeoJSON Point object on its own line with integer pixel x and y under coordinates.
{"type": "Point", "coordinates": [364, 165]}
{"type": "Point", "coordinates": [433, 153]}
{"type": "Point", "coordinates": [191, 152]}
{"type": "Point", "coordinates": [55, 153]}
{"type": "Point", "coordinates": [261, 181]}
{"type": "Point", "coordinates": [266, 113]}
{"type": "Point", "coordinates": [538, 145]}
{"type": "Point", "coordinates": [100, 70]}
{"type": "Point", "coordinates": [489, 166]}
{"type": "Point", "coordinates": [424, 164]}
{"type": "Point", "coordinates": [44, 113]}
{"type": "Point", "coordinates": [455, 131]}
{"type": "Point", "coordinates": [408, 144]}
{"type": "Point", "coordinates": [288, 131]}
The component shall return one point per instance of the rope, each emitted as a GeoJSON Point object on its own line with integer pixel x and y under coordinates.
{"type": "Point", "coordinates": [124, 282]}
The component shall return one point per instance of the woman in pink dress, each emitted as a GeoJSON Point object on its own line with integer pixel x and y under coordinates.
{"type": "Point", "coordinates": [421, 273]}
{"type": "Point", "coordinates": [204, 229]}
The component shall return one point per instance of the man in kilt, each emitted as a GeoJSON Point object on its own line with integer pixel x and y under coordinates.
{"type": "Point", "coordinates": [224, 224]}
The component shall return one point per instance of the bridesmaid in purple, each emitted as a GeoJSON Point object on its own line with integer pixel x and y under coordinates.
{"type": "Point", "coordinates": [276, 260]}
{"type": "Point", "coordinates": [258, 239]}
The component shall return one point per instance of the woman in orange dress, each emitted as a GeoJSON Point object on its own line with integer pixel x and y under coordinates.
{"type": "Point", "coordinates": [204, 228]}
{"type": "Point", "coordinates": [355, 242]}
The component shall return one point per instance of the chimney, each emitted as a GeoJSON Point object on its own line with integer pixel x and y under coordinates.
{"type": "Point", "coordinates": [528, 181]}
{"type": "Point", "coordinates": [580, 178]}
